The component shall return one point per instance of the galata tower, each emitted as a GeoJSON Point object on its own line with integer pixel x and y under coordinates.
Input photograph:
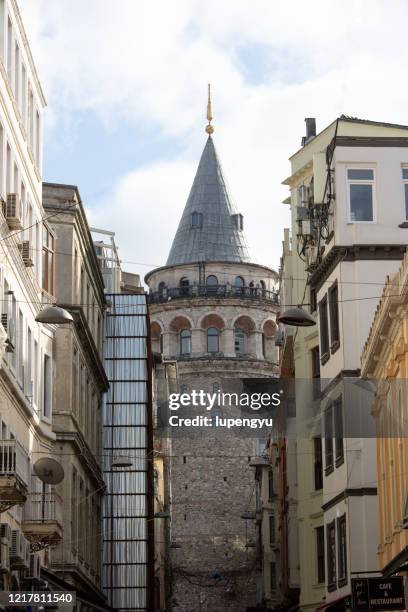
{"type": "Point", "coordinates": [213, 312]}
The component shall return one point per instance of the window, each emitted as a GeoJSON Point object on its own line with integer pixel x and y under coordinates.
{"type": "Point", "coordinates": [184, 285]}
{"type": "Point", "coordinates": [30, 364]}
{"type": "Point", "coordinates": [360, 182]}
{"type": "Point", "coordinates": [405, 182]}
{"type": "Point", "coordinates": [324, 330]}
{"type": "Point", "coordinates": [196, 220]}
{"type": "Point", "coordinates": [20, 339]}
{"type": "Point", "coordinates": [162, 287]}
{"type": "Point", "coordinates": [334, 317]}
{"type": "Point", "coordinates": [17, 74]}
{"type": "Point", "coordinates": [212, 284]}
{"type": "Point", "coordinates": [313, 301]}
{"type": "Point", "coordinates": [185, 342]}
{"type": "Point", "coordinates": [328, 442]}
{"type": "Point", "coordinates": [273, 576]}
{"type": "Point", "coordinates": [271, 529]}
{"type": "Point", "coordinates": [271, 491]}
{"type": "Point", "coordinates": [24, 94]}
{"type": "Point", "coordinates": [331, 556]}
{"type": "Point", "coordinates": [315, 355]}
{"type": "Point", "coordinates": [213, 340]}
{"type": "Point", "coordinates": [9, 49]}
{"type": "Point", "coordinates": [48, 261]}
{"type": "Point", "coordinates": [338, 430]}
{"type": "Point", "coordinates": [238, 221]}
{"type": "Point", "coordinates": [47, 386]}
{"type": "Point", "coordinates": [75, 386]}
{"type": "Point", "coordinates": [320, 554]}
{"type": "Point", "coordinates": [318, 463]}
{"type": "Point", "coordinates": [239, 341]}
{"type": "Point", "coordinates": [342, 550]}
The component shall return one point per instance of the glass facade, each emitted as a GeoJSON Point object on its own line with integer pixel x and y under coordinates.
{"type": "Point", "coordinates": [126, 437]}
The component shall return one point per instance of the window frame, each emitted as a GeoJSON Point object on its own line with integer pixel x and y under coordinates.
{"type": "Point", "coordinates": [405, 190]}
{"type": "Point", "coordinates": [341, 523]}
{"type": "Point", "coordinates": [324, 330]}
{"type": "Point", "coordinates": [48, 274]}
{"type": "Point", "coordinates": [318, 463]}
{"type": "Point", "coordinates": [371, 182]}
{"type": "Point", "coordinates": [272, 529]}
{"type": "Point", "coordinates": [184, 338]}
{"type": "Point", "coordinates": [195, 215]}
{"type": "Point", "coordinates": [328, 440]}
{"type": "Point", "coordinates": [242, 341]}
{"type": "Point", "coordinates": [315, 362]}
{"type": "Point", "coordinates": [338, 427]}
{"type": "Point", "coordinates": [331, 556]}
{"type": "Point", "coordinates": [334, 323]}
{"type": "Point", "coordinates": [213, 335]}
{"type": "Point", "coordinates": [320, 555]}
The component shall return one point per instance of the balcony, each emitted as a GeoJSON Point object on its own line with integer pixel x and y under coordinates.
{"type": "Point", "coordinates": [42, 520]}
{"type": "Point", "coordinates": [218, 292]}
{"type": "Point", "coordinates": [13, 474]}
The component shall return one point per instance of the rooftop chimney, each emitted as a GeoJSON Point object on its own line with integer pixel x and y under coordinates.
{"type": "Point", "coordinates": [310, 130]}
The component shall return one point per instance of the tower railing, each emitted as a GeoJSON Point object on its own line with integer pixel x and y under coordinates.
{"type": "Point", "coordinates": [214, 291]}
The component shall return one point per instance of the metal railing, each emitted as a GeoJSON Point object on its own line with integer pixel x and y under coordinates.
{"type": "Point", "coordinates": [13, 460]}
{"type": "Point", "coordinates": [217, 291]}
{"type": "Point", "coordinates": [43, 508]}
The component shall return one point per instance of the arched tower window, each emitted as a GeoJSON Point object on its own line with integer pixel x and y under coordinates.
{"type": "Point", "coordinates": [239, 341]}
{"type": "Point", "coordinates": [212, 283]}
{"type": "Point", "coordinates": [162, 287]}
{"type": "Point", "coordinates": [185, 342]}
{"type": "Point", "coordinates": [184, 285]}
{"type": "Point", "coordinates": [196, 220]}
{"type": "Point", "coordinates": [213, 340]}
{"type": "Point", "coordinates": [239, 284]}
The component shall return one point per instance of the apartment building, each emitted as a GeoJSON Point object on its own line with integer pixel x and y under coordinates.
{"type": "Point", "coordinates": [349, 215]}
{"type": "Point", "coordinates": [80, 382]}
{"type": "Point", "coordinates": [27, 281]}
{"type": "Point", "coordinates": [385, 361]}
{"type": "Point", "coordinates": [299, 359]}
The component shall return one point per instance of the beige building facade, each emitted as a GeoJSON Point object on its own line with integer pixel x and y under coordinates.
{"type": "Point", "coordinates": [79, 385]}
{"type": "Point", "coordinates": [384, 361]}
{"type": "Point", "coordinates": [27, 281]}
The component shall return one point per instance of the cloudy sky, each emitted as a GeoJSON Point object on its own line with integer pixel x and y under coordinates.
{"type": "Point", "coordinates": [126, 83]}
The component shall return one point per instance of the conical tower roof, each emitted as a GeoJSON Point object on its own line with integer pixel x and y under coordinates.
{"type": "Point", "coordinates": [210, 228]}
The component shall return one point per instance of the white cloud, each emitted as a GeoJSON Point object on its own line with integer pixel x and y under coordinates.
{"type": "Point", "coordinates": [150, 62]}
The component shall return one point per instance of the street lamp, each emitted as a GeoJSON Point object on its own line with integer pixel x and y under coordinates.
{"type": "Point", "coordinates": [297, 316]}
{"type": "Point", "coordinates": [54, 315]}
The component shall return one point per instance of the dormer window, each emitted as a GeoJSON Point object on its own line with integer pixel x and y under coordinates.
{"type": "Point", "coordinates": [196, 220]}
{"type": "Point", "coordinates": [238, 221]}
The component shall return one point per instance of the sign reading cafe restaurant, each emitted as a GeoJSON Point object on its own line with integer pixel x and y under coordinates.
{"type": "Point", "coordinates": [378, 593]}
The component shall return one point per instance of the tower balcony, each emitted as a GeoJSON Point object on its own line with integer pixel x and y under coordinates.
{"type": "Point", "coordinates": [42, 520]}
{"type": "Point", "coordinates": [215, 292]}
{"type": "Point", "coordinates": [13, 474]}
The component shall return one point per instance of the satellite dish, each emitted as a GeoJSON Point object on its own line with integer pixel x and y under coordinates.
{"type": "Point", "coordinates": [49, 470]}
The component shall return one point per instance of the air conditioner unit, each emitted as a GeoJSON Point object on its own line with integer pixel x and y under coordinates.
{"type": "Point", "coordinates": [12, 211]}
{"type": "Point", "coordinates": [18, 550]}
{"type": "Point", "coordinates": [5, 533]}
{"type": "Point", "coordinates": [4, 557]}
{"type": "Point", "coordinates": [35, 566]}
{"type": "Point", "coordinates": [26, 253]}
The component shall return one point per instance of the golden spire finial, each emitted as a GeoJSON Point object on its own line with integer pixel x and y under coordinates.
{"type": "Point", "coordinates": [209, 128]}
